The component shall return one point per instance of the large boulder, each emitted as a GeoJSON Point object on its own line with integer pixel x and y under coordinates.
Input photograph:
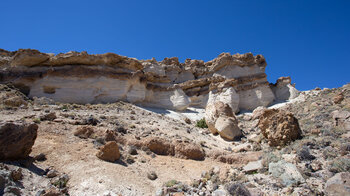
{"type": "Point", "coordinates": [279, 127]}
{"type": "Point", "coordinates": [189, 151]}
{"type": "Point", "coordinates": [227, 127]}
{"type": "Point", "coordinates": [341, 119]}
{"type": "Point", "coordinates": [221, 120]}
{"type": "Point", "coordinates": [339, 184]}
{"type": "Point", "coordinates": [212, 113]}
{"type": "Point", "coordinates": [16, 139]}
{"type": "Point", "coordinates": [109, 152]}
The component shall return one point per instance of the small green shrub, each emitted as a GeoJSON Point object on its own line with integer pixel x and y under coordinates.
{"type": "Point", "coordinates": [36, 120]}
{"type": "Point", "coordinates": [202, 124]}
{"type": "Point", "coordinates": [170, 183]}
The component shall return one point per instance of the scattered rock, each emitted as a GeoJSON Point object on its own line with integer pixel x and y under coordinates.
{"type": "Point", "coordinates": [304, 154]}
{"type": "Point", "coordinates": [132, 150]}
{"type": "Point", "coordinates": [286, 172]}
{"type": "Point", "coordinates": [50, 116]}
{"type": "Point", "coordinates": [189, 151]}
{"type": "Point", "coordinates": [16, 139]}
{"type": "Point", "coordinates": [16, 175]}
{"type": "Point", "coordinates": [279, 127]}
{"type": "Point", "coordinates": [253, 166]}
{"type": "Point", "coordinates": [338, 98]}
{"type": "Point", "coordinates": [152, 175]}
{"type": "Point", "coordinates": [109, 152]}
{"type": "Point", "coordinates": [84, 132]}
{"type": "Point", "coordinates": [160, 146]}
{"type": "Point", "coordinates": [237, 189]}
{"type": "Point", "coordinates": [52, 173]}
{"type": "Point", "coordinates": [214, 111]}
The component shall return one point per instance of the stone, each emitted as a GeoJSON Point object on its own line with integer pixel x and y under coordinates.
{"type": "Point", "coordinates": [279, 127]}
{"type": "Point", "coordinates": [220, 192]}
{"type": "Point", "coordinates": [159, 146]}
{"type": "Point", "coordinates": [50, 116]}
{"type": "Point", "coordinates": [341, 119]}
{"type": "Point", "coordinates": [338, 98]}
{"type": "Point", "coordinates": [109, 152]}
{"type": "Point", "coordinates": [152, 175]}
{"type": "Point", "coordinates": [253, 166]}
{"type": "Point", "coordinates": [237, 189]}
{"type": "Point", "coordinates": [16, 139]}
{"type": "Point", "coordinates": [304, 154]}
{"type": "Point", "coordinates": [84, 132]}
{"type": "Point", "coordinates": [339, 184]}
{"type": "Point", "coordinates": [227, 127]}
{"type": "Point", "coordinates": [286, 172]}
{"type": "Point", "coordinates": [16, 175]}
{"type": "Point", "coordinates": [214, 111]}
{"type": "Point", "coordinates": [189, 151]}
{"type": "Point", "coordinates": [52, 173]}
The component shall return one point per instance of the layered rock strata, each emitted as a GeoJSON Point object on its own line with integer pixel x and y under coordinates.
{"type": "Point", "coordinates": [77, 77]}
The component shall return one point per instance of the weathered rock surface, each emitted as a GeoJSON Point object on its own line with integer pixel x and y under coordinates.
{"type": "Point", "coordinates": [286, 172]}
{"type": "Point", "coordinates": [283, 89]}
{"type": "Point", "coordinates": [79, 77]}
{"type": "Point", "coordinates": [109, 152]}
{"type": "Point", "coordinates": [227, 127]}
{"type": "Point", "coordinates": [221, 120]}
{"type": "Point", "coordinates": [339, 184]}
{"type": "Point", "coordinates": [16, 139]}
{"type": "Point", "coordinates": [279, 127]}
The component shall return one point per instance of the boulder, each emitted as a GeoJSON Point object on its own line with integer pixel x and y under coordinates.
{"type": "Point", "coordinates": [159, 146]}
{"type": "Point", "coordinates": [213, 111]}
{"type": "Point", "coordinates": [189, 151]}
{"type": "Point", "coordinates": [16, 139]}
{"type": "Point", "coordinates": [279, 127]}
{"type": "Point", "coordinates": [227, 127]}
{"type": "Point", "coordinates": [339, 184]}
{"type": "Point", "coordinates": [338, 98]}
{"type": "Point", "coordinates": [109, 152]}
{"type": "Point", "coordinates": [84, 132]}
{"type": "Point", "coordinates": [286, 172]}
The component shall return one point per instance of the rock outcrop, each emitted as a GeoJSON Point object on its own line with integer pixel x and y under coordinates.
{"type": "Point", "coordinates": [283, 89]}
{"type": "Point", "coordinates": [16, 139]}
{"type": "Point", "coordinates": [78, 77]}
{"type": "Point", "coordinates": [279, 127]}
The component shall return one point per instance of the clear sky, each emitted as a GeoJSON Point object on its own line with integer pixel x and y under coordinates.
{"type": "Point", "coordinates": [307, 40]}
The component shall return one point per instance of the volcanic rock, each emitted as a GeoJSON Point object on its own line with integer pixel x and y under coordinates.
{"type": "Point", "coordinates": [109, 152]}
{"type": "Point", "coordinates": [16, 139]}
{"type": "Point", "coordinates": [279, 127]}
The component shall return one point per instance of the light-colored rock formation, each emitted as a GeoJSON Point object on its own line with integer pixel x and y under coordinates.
{"type": "Point", "coordinates": [79, 77]}
{"type": "Point", "coordinates": [227, 127]}
{"type": "Point", "coordinates": [283, 89]}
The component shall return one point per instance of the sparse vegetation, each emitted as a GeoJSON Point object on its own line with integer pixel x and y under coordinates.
{"type": "Point", "coordinates": [202, 124]}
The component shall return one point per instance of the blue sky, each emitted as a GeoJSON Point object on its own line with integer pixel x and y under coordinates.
{"type": "Point", "coordinates": [307, 40]}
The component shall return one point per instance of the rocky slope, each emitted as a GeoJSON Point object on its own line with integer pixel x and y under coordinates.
{"type": "Point", "coordinates": [160, 155]}
{"type": "Point", "coordinates": [239, 80]}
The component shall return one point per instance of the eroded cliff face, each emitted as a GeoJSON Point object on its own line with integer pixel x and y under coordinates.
{"type": "Point", "coordinates": [77, 77]}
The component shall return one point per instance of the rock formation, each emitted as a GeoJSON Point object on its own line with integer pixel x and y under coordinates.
{"type": "Point", "coordinates": [78, 77]}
